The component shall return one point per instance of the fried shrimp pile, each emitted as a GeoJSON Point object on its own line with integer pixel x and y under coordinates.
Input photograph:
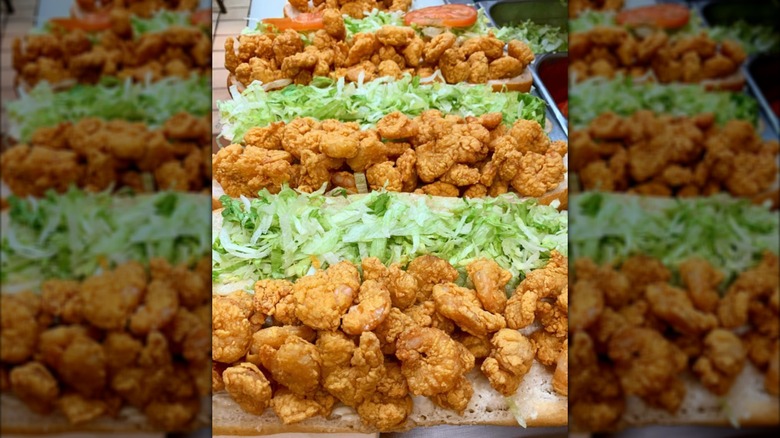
{"type": "Point", "coordinates": [95, 154]}
{"type": "Point", "coordinates": [372, 343]}
{"type": "Point", "coordinates": [666, 155]}
{"type": "Point", "coordinates": [353, 8]}
{"type": "Point", "coordinates": [432, 154]}
{"type": "Point", "coordinates": [635, 334]}
{"type": "Point", "coordinates": [121, 338]}
{"type": "Point", "coordinates": [609, 51]}
{"type": "Point", "coordinates": [71, 57]}
{"type": "Point", "coordinates": [142, 8]}
{"type": "Point", "coordinates": [391, 51]}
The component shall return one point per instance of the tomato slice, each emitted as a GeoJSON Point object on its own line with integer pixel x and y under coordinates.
{"type": "Point", "coordinates": [667, 16]}
{"type": "Point", "coordinates": [302, 22]}
{"type": "Point", "coordinates": [564, 107]}
{"type": "Point", "coordinates": [201, 17]}
{"type": "Point", "coordinates": [442, 16]}
{"type": "Point", "coordinates": [90, 22]}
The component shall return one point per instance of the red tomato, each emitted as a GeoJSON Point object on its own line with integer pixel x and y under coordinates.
{"type": "Point", "coordinates": [564, 107]}
{"type": "Point", "coordinates": [201, 17]}
{"type": "Point", "coordinates": [442, 16]}
{"type": "Point", "coordinates": [301, 22]}
{"type": "Point", "coordinates": [90, 22]}
{"type": "Point", "coordinates": [667, 16]}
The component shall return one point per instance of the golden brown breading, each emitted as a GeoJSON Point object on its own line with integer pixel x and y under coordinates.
{"type": "Point", "coordinates": [509, 360]}
{"type": "Point", "coordinates": [247, 385]}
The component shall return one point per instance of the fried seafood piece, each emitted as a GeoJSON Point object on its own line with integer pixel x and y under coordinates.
{"type": "Point", "coordinates": [437, 46]}
{"type": "Point", "coordinates": [391, 328]}
{"type": "Point", "coordinates": [323, 298]}
{"type": "Point", "coordinates": [391, 404]}
{"type": "Point", "coordinates": [509, 360]}
{"type": "Point", "coordinates": [373, 307]}
{"type": "Point", "coordinates": [275, 298]}
{"type": "Point", "coordinates": [334, 24]}
{"type": "Point", "coordinates": [548, 282]}
{"type": "Point", "coordinates": [722, 359]}
{"type": "Point", "coordinates": [35, 385]}
{"type": "Point", "coordinates": [246, 171]}
{"type": "Point", "coordinates": [19, 334]}
{"type": "Point", "coordinates": [561, 374]}
{"type": "Point", "coordinates": [247, 385]}
{"type": "Point", "coordinates": [673, 305]}
{"type": "Point", "coordinates": [384, 176]}
{"type": "Point", "coordinates": [79, 409]}
{"type": "Point", "coordinates": [648, 366]}
{"type": "Point", "coordinates": [457, 398]}
{"type": "Point", "coordinates": [431, 360]}
{"type": "Point", "coordinates": [401, 284]}
{"type": "Point", "coordinates": [430, 270]}
{"type": "Point", "coordinates": [595, 394]}
{"type": "Point", "coordinates": [350, 373]}
{"type": "Point", "coordinates": [266, 342]}
{"type": "Point", "coordinates": [478, 346]}
{"type": "Point", "coordinates": [292, 408]}
{"type": "Point", "coordinates": [424, 314]}
{"type": "Point", "coordinates": [489, 280]}
{"type": "Point", "coordinates": [463, 307]}
{"type": "Point", "coordinates": [231, 329]}
{"type": "Point", "coordinates": [296, 365]}
{"type": "Point", "coordinates": [397, 125]}
{"type": "Point", "coordinates": [547, 346]}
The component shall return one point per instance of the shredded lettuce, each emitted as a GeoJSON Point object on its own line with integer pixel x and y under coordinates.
{"type": "Point", "coordinates": [373, 21]}
{"type": "Point", "coordinates": [281, 236]}
{"type": "Point", "coordinates": [368, 102]}
{"type": "Point", "coordinates": [589, 19]}
{"type": "Point", "coordinates": [730, 233]}
{"type": "Point", "coordinates": [753, 38]}
{"type": "Point", "coordinates": [541, 38]}
{"type": "Point", "coordinates": [624, 97]}
{"type": "Point", "coordinates": [159, 22]}
{"type": "Point", "coordinates": [74, 234]}
{"type": "Point", "coordinates": [150, 102]}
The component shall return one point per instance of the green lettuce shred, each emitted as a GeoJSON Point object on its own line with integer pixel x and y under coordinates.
{"type": "Point", "coordinates": [150, 102]}
{"type": "Point", "coordinates": [280, 236]}
{"type": "Point", "coordinates": [373, 21]}
{"type": "Point", "coordinates": [624, 97]}
{"type": "Point", "coordinates": [160, 21]}
{"type": "Point", "coordinates": [368, 102]}
{"type": "Point", "coordinates": [730, 233]}
{"type": "Point", "coordinates": [71, 235]}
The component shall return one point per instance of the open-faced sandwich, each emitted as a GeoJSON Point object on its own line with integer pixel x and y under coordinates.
{"type": "Point", "coordinates": [386, 312]}
{"type": "Point", "coordinates": [296, 50]}
{"type": "Point", "coordinates": [674, 312]}
{"type": "Point", "coordinates": [105, 313]}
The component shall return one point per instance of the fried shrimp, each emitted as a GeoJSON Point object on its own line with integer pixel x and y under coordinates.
{"type": "Point", "coordinates": [231, 332]}
{"type": "Point", "coordinates": [489, 281]}
{"type": "Point", "coordinates": [509, 361]}
{"type": "Point", "coordinates": [372, 308]}
{"type": "Point", "coordinates": [462, 306]}
{"type": "Point", "coordinates": [323, 298]}
{"type": "Point", "coordinates": [247, 385]}
{"type": "Point", "coordinates": [430, 360]}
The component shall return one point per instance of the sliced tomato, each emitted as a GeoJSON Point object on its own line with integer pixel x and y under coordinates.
{"type": "Point", "coordinates": [667, 16]}
{"type": "Point", "coordinates": [201, 17]}
{"type": "Point", "coordinates": [442, 16]}
{"type": "Point", "coordinates": [302, 22]}
{"type": "Point", "coordinates": [564, 107]}
{"type": "Point", "coordinates": [90, 22]}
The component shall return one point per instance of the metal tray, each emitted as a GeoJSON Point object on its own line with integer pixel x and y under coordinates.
{"type": "Point", "coordinates": [547, 86]}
